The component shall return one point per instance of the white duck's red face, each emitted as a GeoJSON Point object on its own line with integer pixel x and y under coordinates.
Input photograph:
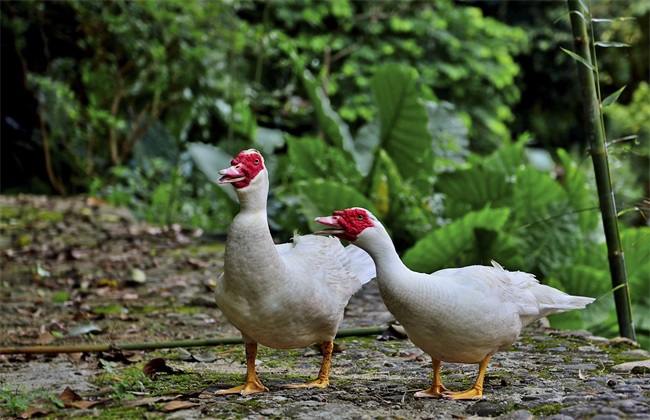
{"type": "Point", "coordinates": [347, 224]}
{"type": "Point", "coordinates": [245, 167]}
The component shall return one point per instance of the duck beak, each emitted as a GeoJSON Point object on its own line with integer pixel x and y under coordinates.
{"type": "Point", "coordinates": [335, 227]}
{"type": "Point", "coordinates": [230, 175]}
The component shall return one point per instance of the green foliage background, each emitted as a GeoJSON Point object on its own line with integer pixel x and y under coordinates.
{"type": "Point", "coordinates": [455, 123]}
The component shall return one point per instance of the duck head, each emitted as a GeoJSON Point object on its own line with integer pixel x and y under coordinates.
{"type": "Point", "coordinates": [244, 169]}
{"type": "Point", "coordinates": [348, 224]}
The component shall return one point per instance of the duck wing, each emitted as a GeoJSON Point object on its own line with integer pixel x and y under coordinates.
{"type": "Point", "coordinates": [324, 260]}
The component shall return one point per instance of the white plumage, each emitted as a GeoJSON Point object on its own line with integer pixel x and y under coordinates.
{"type": "Point", "coordinates": [282, 296]}
{"type": "Point", "coordinates": [461, 315]}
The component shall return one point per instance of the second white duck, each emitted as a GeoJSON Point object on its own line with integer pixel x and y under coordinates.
{"type": "Point", "coordinates": [458, 315]}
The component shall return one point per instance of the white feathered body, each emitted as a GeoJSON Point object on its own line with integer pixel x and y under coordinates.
{"type": "Point", "coordinates": [461, 315]}
{"type": "Point", "coordinates": [290, 295]}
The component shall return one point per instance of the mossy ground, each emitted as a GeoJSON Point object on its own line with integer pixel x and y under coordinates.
{"type": "Point", "coordinates": [90, 258]}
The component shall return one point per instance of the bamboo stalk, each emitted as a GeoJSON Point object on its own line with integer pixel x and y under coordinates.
{"type": "Point", "coordinates": [596, 134]}
{"type": "Point", "coordinates": [353, 332]}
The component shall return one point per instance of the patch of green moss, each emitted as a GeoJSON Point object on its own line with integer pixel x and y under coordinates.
{"type": "Point", "coordinates": [198, 250]}
{"type": "Point", "coordinates": [188, 310]}
{"type": "Point", "coordinates": [546, 410]}
{"type": "Point", "coordinates": [20, 216]}
{"type": "Point", "coordinates": [121, 413]}
{"type": "Point", "coordinates": [190, 381]}
{"type": "Point", "coordinates": [9, 212]}
{"type": "Point", "coordinates": [49, 216]}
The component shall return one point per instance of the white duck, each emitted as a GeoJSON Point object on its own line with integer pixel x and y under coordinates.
{"type": "Point", "coordinates": [458, 315]}
{"type": "Point", "coordinates": [282, 296]}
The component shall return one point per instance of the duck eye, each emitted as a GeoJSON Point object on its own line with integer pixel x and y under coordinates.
{"type": "Point", "coordinates": [360, 217]}
{"type": "Point", "coordinates": [257, 161]}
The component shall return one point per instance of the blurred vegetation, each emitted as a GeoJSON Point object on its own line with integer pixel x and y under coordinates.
{"type": "Point", "coordinates": [457, 123]}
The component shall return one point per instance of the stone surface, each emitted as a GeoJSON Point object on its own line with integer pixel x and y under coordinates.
{"type": "Point", "coordinates": [546, 374]}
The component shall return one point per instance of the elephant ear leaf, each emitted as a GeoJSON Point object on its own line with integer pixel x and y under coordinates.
{"type": "Point", "coordinates": [445, 246]}
{"type": "Point", "coordinates": [322, 197]}
{"type": "Point", "coordinates": [404, 133]}
{"type": "Point", "coordinates": [336, 131]}
{"type": "Point", "coordinates": [210, 159]}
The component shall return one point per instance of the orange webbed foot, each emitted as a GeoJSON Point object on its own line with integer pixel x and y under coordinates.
{"type": "Point", "coordinates": [316, 383]}
{"type": "Point", "coordinates": [249, 388]}
{"type": "Point", "coordinates": [436, 391]}
{"type": "Point", "coordinates": [322, 381]}
{"type": "Point", "coordinates": [473, 393]}
{"type": "Point", "coordinates": [253, 385]}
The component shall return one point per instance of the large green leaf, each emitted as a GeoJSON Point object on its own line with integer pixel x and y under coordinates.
{"type": "Point", "coordinates": [576, 185]}
{"type": "Point", "coordinates": [450, 135]}
{"type": "Point", "coordinates": [335, 129]}
{"type": "Point", "coordinates": [475, 187]}
{"type": "Point", "coordinates": [549, 243]}
{"type": "Point", "coordinates": [267, 140]}
{"type": "Point", "coordinates": [506, 159]}
{"type": "Point", "coordinates": [444, 246]}
{"type": "Point", "coordinates": [398, 202]}
{"type": "Point", "coordinates": [365, 143]}
{"type": "Point", "coordinates": [321, 198]}
{"type": "Point", "coordinates": [636, 251]}
{"type": "Point", "coordinates": [403, 130]}
{"type": "Point", "coordinates": [313, 158]}
{"type": "Point", "coordinates": [210, 159]}
{"type": "Point", "coordinates": [545, 221]}
{"type": "Point", "coordinates": [533, 194]}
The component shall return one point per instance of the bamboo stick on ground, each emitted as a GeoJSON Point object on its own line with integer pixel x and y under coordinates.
{"type": "Point", "coordinates": [353, 332]}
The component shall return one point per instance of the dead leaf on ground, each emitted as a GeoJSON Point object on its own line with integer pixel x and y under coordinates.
{"type": "Point", "coordinates": [622, 341]}
{"type": "Point", "coordinates": [83, 329]}
{"type": "Point", "coordinates": [68, 396]}
{"type": "Point", "coordinates": [45, 338]}
{"type": "Point", "coordinates": [198, 263]}
{"type": "Point", "coordinates": [178, 405]}
{"type": "Point", "coordinates": [75, 356]}
{"type": "Point", "coordinates": [157, 366]}
{"type": "Point", "coordinates": [34, 412]}
{"type": "Point", "coordinates": [205, 356]}
{"type": "Point", "coordinates": [339, 348]}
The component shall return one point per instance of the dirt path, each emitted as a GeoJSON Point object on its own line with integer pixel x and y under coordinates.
{"type": "Point", "coordinates": [78, 272]}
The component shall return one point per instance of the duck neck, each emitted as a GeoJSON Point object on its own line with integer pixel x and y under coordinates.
{"type": "Point", "coordinates": [253, 198]}
{"type": "Point", "coordinates": [382, 250]}
{"type": "Point", "coordinates": [249, 246]}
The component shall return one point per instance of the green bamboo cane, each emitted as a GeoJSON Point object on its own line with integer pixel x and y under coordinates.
{"type": "Point", "coordinates": [92, 348]}
{"type": "Point", "coordinates": [596, 134]}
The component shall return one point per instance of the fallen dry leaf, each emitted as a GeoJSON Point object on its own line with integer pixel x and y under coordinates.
{"type": "Point", "coordinates": [45, 338]}
{"type": "Point", "coordinates": [157, 366]}
{"type": "Point", "coordinates": [198, 263]}
{"type": "Point", "coordinates": [75, 356]}
{"type": "Point", "coordinates": [618, 341]}
{"type": "Point", "coordinates": [68, 396]}
{"type": "Point", "coordinates": [178, 405]}
{"type": "Point", "coordinates": [71, 399]}
{"type": "Point", "coordinates": [34, 412]}
{"type": "Point", "coordinates": [87, 404]}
